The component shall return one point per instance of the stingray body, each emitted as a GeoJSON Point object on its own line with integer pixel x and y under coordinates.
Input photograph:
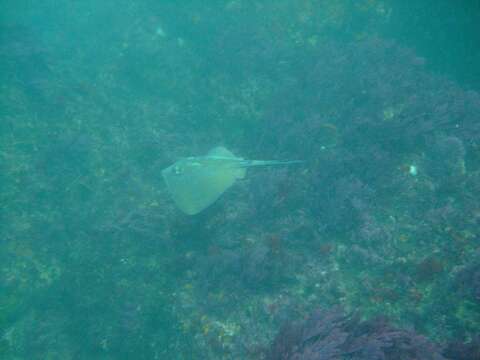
{"type": "Point", "coordinates": [196, 182]}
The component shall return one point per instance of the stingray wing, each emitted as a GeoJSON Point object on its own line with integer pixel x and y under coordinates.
{"type": "Point", "coordinates": [196, 183]}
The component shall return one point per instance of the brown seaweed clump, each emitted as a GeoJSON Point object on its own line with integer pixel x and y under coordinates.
{"type": "Point", "coordinates": [333, 335]}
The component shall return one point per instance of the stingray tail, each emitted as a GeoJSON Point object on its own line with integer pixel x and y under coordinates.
{"type": "Point", "coordinates": [249, 163]}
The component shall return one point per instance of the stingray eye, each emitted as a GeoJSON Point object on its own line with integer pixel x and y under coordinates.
{"type": "Point", "coordinates": [177, 170]}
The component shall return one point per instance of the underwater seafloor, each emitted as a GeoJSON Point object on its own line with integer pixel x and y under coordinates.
{"type": "Point", "coordinates": [367, 250]}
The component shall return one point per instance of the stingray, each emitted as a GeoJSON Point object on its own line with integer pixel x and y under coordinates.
{"type": "Point", "coordinates": [196, 182]}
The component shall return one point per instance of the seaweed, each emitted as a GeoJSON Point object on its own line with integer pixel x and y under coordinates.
{"type": "Point", "coordinates": [330, 334]}
{"type": "Point", "coordinates": [457, 350]}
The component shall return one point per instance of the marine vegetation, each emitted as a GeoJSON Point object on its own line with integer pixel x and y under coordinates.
{"type": "Point", "coordinates": [333, 335]}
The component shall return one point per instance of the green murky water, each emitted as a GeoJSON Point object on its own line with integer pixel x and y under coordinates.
{"type": "Point", "coordinates": [379, 98]}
